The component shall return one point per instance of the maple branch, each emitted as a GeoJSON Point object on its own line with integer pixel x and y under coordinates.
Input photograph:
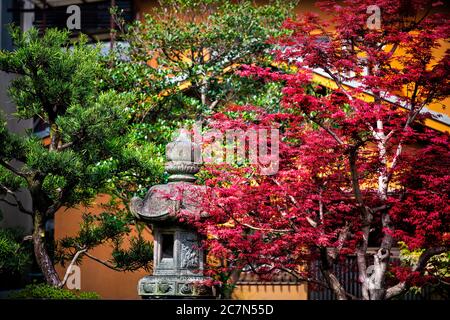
{"type": "Point", "coordinates": [389, 135]}
{"type": "Point", "coordinates": [330, 132]}
{"type": "Point", "coordinates": [343, 235]}
{"type": "Point", "coordinates": [416, 24]}
{"type": "Point", "coordinates": [320, 207]}
{"type": "Point", "coordinates": [399, 149]}
{"type": "Point", "coordinates": [376, 209]}
{"type": "Point", "coordinates": [403, 286]}
{"type": "Point", "coordinates": [267, 229]}
{"type": "Point", "coordinates": [331, 279]}
{"type": "Point", "coordinates": [263, 264]}
{"type": "Point", "coordinates": [311, 222]}
{"type": "Point", "coordinates": [393, 49]}
{"type": "Point", "coordinates": [262, 229]}
{"type": "Point", "coordinates": [256, 228]}
{"type": "Point", "coordinates": [336, 81]}
{"type": "Point", "coordinates": [411, 117]}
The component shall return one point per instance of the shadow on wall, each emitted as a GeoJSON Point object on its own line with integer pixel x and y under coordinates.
{"type": "Point", "coordinates": [12, 217]}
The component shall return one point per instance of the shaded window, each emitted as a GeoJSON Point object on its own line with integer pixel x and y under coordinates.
{"type": "Point", "coordinates": [167, 246]}
{"type": "Point", "coordinates": [95, 15]}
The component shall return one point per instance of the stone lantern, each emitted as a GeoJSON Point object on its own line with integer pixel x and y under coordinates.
{"type": "Point", "coordinates": [178, 260]}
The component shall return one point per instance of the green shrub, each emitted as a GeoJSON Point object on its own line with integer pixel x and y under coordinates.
{"type": "Point", "coordinates": [44, 291]}
{"type": "Point", "coordinates": [14, 257]}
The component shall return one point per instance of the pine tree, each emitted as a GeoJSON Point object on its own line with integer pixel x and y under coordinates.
{"type": "Point", "coordinates": [92, 149]}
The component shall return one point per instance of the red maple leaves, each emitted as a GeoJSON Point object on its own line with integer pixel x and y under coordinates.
{"type": "Point", "coordinates": [357, 167]}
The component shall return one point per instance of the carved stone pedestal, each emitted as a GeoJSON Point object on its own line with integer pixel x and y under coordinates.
{"type": "Point", "coordinates": [178, 266]}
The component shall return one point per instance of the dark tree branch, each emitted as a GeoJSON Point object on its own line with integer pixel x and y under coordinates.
{"type": "Point", "coordinates": [17, 202]}
{"type": "Point", "coordinates": [65, 146]}
{"type": "Point", "coordinates": [13, 170]}
{"type": "Point", "coordinates": [105, 263]}
{"type": "Point", "coordinates": [420, 266]}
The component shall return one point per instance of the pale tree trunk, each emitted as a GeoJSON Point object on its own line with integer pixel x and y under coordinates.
{"type": "Point", "coordinates": [204, 91]}
{"type": "Point", "coordinates": [334, 284]}
{"type": "Point", "coordinates": [361, 252]}
{"type": "Point", "coordinates": [366, 219]}
{"type": "Point", "coordinates": [207, 101]}
{"type": "Point", "coordinates": [40, 252]}
{"type": "Point", "coordinates": [376, 282]}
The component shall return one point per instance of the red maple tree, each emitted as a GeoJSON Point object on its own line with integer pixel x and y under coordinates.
{"type": "Point", "coordinates": [358, 168]}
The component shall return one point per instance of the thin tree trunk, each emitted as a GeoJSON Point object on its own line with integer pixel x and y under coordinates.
{"type": "Point", "coordinates": [40, 252]}
{"type": "Point", "coordinates": [55, 138]}
{"type": "Point", "coordinates": [234, 278]}
{"type": "Point", "coordinates": [376, 282]}
{"type": "Point", "coordinates": [361, 252]}
{"type": "Point", "coordinates": [330, 278]}
{"type": "Point", "coordinates": [334, 284]}
{"type": "Point", "coordinates": [366, 219]}
{"type": "Point", "coordinates": [204, 92]}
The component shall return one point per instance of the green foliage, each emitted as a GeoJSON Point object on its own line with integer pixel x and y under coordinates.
{"type": "Point", "coordinates": [14, 257]}
{"type": "Point", "coordinates": [110, 117]}
{"type": "Point", "coordinates": [139, 255]}
{"type": "Point", "coordinates": [265, 95]}
{"type": "Point", "coordinates": [56, 72]}
{"type": "Point", "coordinates": [44, 291]}
{"type": "Point", "coordinates": [93, 147]}
{"type": "Point", "coordinates": [92, 144]}
{"type": "Point", "coordinates": [9, 181]}
{"type": "Point", "coordinates": [437, 266]}
{"type": "Point", "coordinates": [109, 227]}
{"type": "Point", "coordinates": [181, 59]}
{"type": "Point", "coordinates": [11, 146]}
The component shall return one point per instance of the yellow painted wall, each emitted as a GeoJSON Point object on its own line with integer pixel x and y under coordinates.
{"type": "Point", "coordinates": [271, 292]}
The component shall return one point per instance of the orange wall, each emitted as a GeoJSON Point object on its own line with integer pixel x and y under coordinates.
{"type": "Point", "coordinates": [109, 284]}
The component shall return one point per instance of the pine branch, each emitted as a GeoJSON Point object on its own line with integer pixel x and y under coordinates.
{"type": "Point", "coordinates": [105, 263]}
{"type": "Point", "coordinates": [13, 170]}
